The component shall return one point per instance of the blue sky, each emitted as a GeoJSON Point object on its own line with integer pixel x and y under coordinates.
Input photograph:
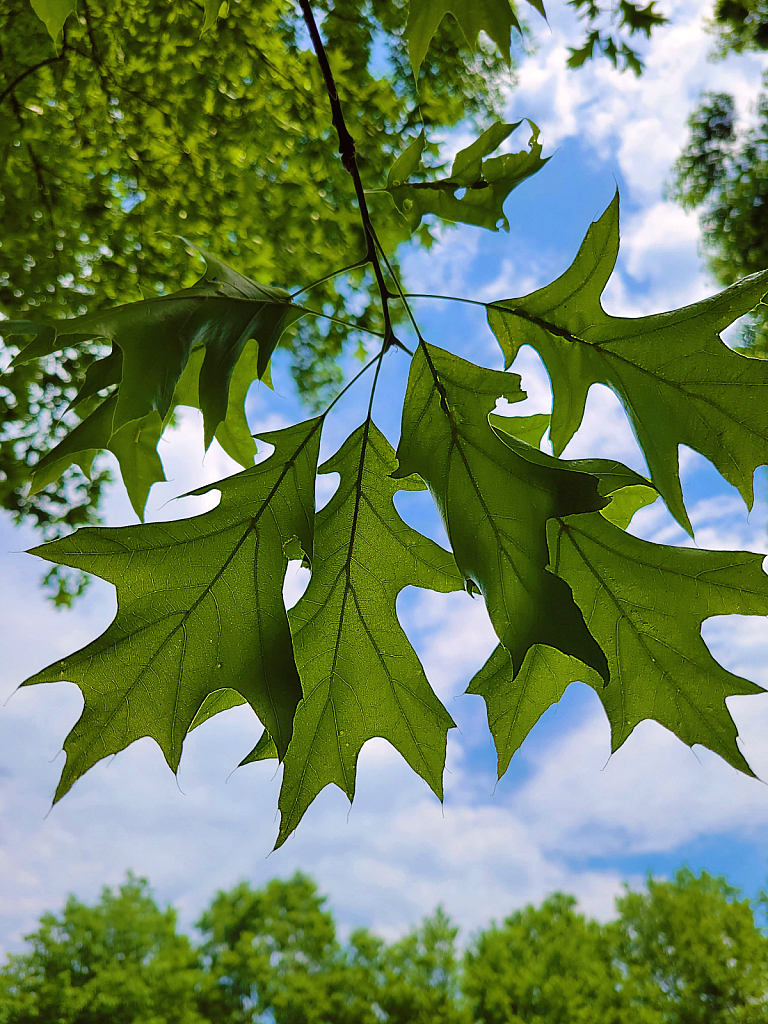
{"type": "Point", "coordinates": [567, 815]}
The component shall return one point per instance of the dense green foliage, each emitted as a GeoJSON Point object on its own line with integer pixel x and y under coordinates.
{"type": "Point", "coordinates": [686, 951]}
{"type": "Point", "coordinates": [723, 173]}
{"type": "Point", "coordinates": [692, 952]}
{"type": "Point", "coordinates": [139, 129]}
{"type": "Point", "coordinates": [201, 623]}
{"type": "Point", "coordinates": [740, 25]}
{"type": "Point", "coordinates": [120, 961]}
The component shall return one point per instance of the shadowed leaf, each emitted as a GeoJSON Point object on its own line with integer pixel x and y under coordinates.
{"type": "Point", "coordinates": [494, 502]}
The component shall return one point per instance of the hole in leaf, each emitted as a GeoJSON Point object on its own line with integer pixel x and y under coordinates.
{"type": "Point", "coordinates": [295, 583]}
{"type": "Point", "coordinates": [326, 485]}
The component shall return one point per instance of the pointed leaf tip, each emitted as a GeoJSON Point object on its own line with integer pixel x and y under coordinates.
{"type": "Point", "coordinates": [486, 181]}
{"type": "Point", "coordinates": [496, 18]}
{"type": "Point", "coordinates": [661, 668]}
{"type": "Point", "coordinates": [53, 14]}
{"type": "Point", "coordinates": [671, 371]}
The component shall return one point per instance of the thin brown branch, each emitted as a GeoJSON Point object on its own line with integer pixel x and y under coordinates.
{"type": "Point", "coordinates": [31, 71]}
{"type": "Point", "coordinates": [349, 160]}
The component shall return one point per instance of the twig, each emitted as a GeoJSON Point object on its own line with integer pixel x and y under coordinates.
{"type": "Point", "coordinates": [349, 160]}
{"type": "Point", "coordinates": [30, 71]}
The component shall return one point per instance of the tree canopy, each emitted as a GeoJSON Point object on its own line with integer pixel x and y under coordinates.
{"type": "Point", "coordinates": [679, 952]}
{"type": "Point", "coordinates": [138, 129]}
{"type": "Point", "coordinates": [120, 961]}
{"type": "Point", "coordinates": [201, 622]}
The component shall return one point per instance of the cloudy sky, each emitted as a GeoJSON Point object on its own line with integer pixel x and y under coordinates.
{"type": "Point", "coordinates": [567, 815]}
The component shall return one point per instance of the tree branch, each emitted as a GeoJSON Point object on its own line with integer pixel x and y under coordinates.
{"type": "Point", "coordinates": [30, 71]}
{"type": "Point", "coordinates": [349, 160]}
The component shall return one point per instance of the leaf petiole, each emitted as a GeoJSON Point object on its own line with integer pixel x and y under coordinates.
{"type": "Point", "coordinates": [344, 323]}
{"type": "Point", "coordinates": [329, 277]}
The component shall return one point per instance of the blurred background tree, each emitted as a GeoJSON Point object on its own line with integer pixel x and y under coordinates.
{"type": "Point", "coordinates": [120, 961]}
{"type": "Point", "coordinates": [685, 951]}
{"type": "Point", "coordinates": [723, 169]}
{"type": "Point", "coordinates": [545, 964]}
{"type": "Point", "coordinates": [691, 953]}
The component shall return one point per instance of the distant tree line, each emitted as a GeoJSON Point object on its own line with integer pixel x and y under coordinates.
{"type": "Point", "coordinates": [686, 951]}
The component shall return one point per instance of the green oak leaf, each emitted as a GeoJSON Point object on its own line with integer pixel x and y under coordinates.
{"type": "Point", "coordinates": [211, 11]}
{"type": "Point", "coordinates": [53, 14]}
{"type": "Point", "coordinates": [200, 609]}
{"type": "Point", "coordinates": [360, 676]}
{"type": "Point", "coordinates": [494, 502]}
{"type": "Point", "coordinates": [233, 433]}
{"type": "Point", "coordinates": [265, 750]}
{"type": "Point", "coordinates": [157, 337]}
{"type": "Point", "coordinates": [646, 603]}
{"type": "Point", "coordinates": [496, 18]}
{"type": "Point", "coordinates": [101, 375]}
{"type": "Point", "coordinates": [627, 490]}
{"type": "Point", "coordinates": [215, 703]}
{"type": "Point", "coordinates": [42, 333]}
{"type": "Point", "coordinates": [134, 444]}
{"type": "Point", "coordinates": [679, 383]}
{"type": "Point", "coordinates": [214, 377]}
{"type": "Point", "coordinates": [515, 702]}
{"type": "Point", "coordinates": [486, 181]}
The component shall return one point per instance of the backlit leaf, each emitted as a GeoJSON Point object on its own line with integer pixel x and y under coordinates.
{"type": "Point", "coordinates": [360, 676]}
{"type": "Point", "coordinates": [211, 9]}
{"type": "Point", "coordinates": [53, 14]}
{"type": "Point", "coordinates": [530, 429]}
{"type": "Point", "coordinates": [265, 750]}
{"type": "Point", "coordinates": [496, 18]}
{"type": "Point", "coordinates": [644, 604]}
{"type": "Point", "coordinates": [486, 181]}
{"type": "Point", "coordinates": [203, 347]}
{"type": "Point", "coordinates": [157, 337]}
{"type": "Point", "coordinates": [515, 702]}
{"type": "Point", "coordinates": [200, 609]}
{"type": "Point", "coordinates": [134, 445]}
{"type": "Point", "coordinates": [494, 502]}
{"type": "Point", "coordinates": [679, 383]}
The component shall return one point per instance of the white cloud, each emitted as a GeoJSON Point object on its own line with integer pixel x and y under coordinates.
{"type": "Point", "coordinates": [659, 253]}
{"type": "Point", "coordinates": [582, 803]}
{"type": "Point", "coordinates": [637, 123]}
